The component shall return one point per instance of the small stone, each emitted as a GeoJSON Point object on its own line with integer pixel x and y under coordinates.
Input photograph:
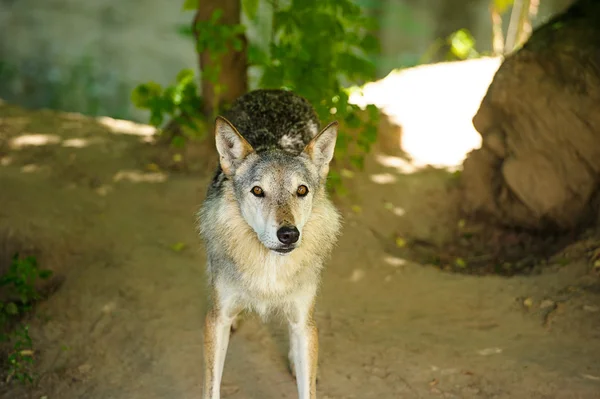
{"type": "Point", "coordinates": [103, 190]}
{"type": "Point", "coordinates": [546, 303]}
{"type": "Point", "coordinates": [489, 351]}
{"type": "Point", "coordinates": [357, 275]}
{"type": "Point", "coordinates": [591, 308]}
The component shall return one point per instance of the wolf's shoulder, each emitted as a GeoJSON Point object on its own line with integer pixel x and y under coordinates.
{"type": "Point", "coordinates": [274, 119]}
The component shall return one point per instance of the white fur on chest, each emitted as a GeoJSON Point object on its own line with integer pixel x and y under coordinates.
{"type": "Point", "coordinates": [278, 284]}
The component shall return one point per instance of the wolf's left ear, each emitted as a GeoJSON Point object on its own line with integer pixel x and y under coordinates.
{"type": "Point", "coordinates": [232, 147]}
{"type": "Point", "coordinates": [320, 148]}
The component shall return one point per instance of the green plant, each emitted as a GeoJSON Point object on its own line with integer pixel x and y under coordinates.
{"type": "Point", "coordinates": [317, 48]}
{"type": "Point", "coordinates": [460, 44]}
{"type": "Point", "coordinates": [179, 101]}
{"type": "Point", "coordinates": [19, 284]}
{"type": "Point", "coordinates": [20, 360]}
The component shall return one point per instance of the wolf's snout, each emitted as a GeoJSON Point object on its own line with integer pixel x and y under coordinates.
{"type": "Point", "coordinates": [288, 235]}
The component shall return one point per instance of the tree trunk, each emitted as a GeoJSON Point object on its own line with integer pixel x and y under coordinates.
{"type": "Point", "coordinates": [539, 165]}
{"type": "Point", "coordinates": [233, 65]}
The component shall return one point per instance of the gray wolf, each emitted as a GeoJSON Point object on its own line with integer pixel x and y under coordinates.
{"type": "Point", "coordinates": [268, 226]}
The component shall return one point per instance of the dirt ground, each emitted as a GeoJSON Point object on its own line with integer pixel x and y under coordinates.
{"type": "Point", "coordinates": [126, 320]}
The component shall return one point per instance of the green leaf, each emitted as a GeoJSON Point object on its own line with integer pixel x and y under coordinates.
{"type": "Point", "coordinates": [143, 94]}
{"type": "Point", "coordinates": [45, 274]}
{"type": "Point", "coordinates": [462, 43]}
{"type": "Point", "coordinates": [178, 246]}
{"type": "Point", "coordinates": [216, 15]}
{"type": "Point", "coordinates": [352, 120]}
{"type": "Point", "coordinates": [185, 75]}
{"type": "Point", "coordinates": [250, 8]}
{"type": "Point", "coordinates": [356, 66]}
{"type": "Point", "coordinates": [189, 5]}
{"type": "Point", "coordinates": [257, 56]}
{"type": "Point", "coordinates": [370, 43]}
{"type": "Point", "coordinates": [156, 119]}
{"type": "Point", "coordinates": [11, 309]}
{"type": "Point", "coordinates": [373, 112]}
{"type": "Point", "coordinates": [185, 30]}
{"type": "Point", "coordinates": [178, 142]}
{"type": "Point", "coordinates": [502, 5]}
{"type": "Point", "coordinates": [237, 44]}
{"type": "Point", "coordinates": [357, 161]}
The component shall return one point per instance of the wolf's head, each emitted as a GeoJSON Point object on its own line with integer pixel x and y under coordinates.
{"type": "Point", "coordinates": [275, 189]}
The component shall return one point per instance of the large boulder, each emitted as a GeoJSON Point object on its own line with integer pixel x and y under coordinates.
{"type": "Point", "coordinates": [539, 163]}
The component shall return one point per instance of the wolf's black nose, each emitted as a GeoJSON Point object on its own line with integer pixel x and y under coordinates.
{"type": "Point", "coordinates": [288, 235]}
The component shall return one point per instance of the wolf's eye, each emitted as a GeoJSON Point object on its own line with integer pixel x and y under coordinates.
{"type": "Point", "coordinates": [302, 191]}
{"type": "Point", "coordinates": [257, 191]}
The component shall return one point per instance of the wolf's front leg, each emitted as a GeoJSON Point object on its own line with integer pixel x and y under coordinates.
{"type": "Point", "coordinates": [217, 326]}
{"type": "Point", "coordinates": [304, 350]}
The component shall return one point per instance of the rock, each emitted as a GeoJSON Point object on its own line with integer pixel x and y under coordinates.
{"type": "Point", "coordinates": [540, 129]}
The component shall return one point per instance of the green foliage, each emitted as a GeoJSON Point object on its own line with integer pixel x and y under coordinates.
{"type": "Point", "coordinates": [19, 284]}
{"type": "Point", "coordinates": [179, 101]}
{"type": "Point", "coordinates": [317, 48]}
{"type": "Point", "coordinates": [250, 8]}
{"type": "Point", "coordinates": [216, 38]}
{"type": "Point", "coordinates": [21, 278]}
{"type": "Point", "coordinates": [20, 360]}
{"type": "Point", "coordinates": [502, 5]}
{"type": "Point", "coordinates": [462, 44]}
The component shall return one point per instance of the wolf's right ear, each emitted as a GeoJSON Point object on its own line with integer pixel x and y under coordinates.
{"type": "Point", "coordinates": [232, 147]}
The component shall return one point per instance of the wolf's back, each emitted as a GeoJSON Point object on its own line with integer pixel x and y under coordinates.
{"type": "Point", "coordinates": [270, 119]}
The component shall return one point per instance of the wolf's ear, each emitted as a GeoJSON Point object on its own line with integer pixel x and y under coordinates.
{"type": "Point", "coordinates": [232, 147]}
{"type": "Point", "coordinates": [320, 148]}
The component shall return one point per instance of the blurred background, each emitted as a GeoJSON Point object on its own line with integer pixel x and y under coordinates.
{"type": "Point", "coordinates": [467, 171]}
{"type": "Point", "coordinates": [88, 56]}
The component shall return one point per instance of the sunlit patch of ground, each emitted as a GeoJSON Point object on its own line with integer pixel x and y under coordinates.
{"type": "Point", "coordinates": [36, 140]}
{"type": "Point", "coordinates": [434, 104]}
{"type": "Point", "coordinates": [120, 126]}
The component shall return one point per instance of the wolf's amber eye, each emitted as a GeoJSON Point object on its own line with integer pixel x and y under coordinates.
{"type": "Point", "coordinates": [257, 191]}
{"type": "Point", "coordinates": [302, 191]}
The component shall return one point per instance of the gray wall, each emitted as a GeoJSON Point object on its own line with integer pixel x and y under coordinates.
{"type": "Point", "coordinates": [88, 55]}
